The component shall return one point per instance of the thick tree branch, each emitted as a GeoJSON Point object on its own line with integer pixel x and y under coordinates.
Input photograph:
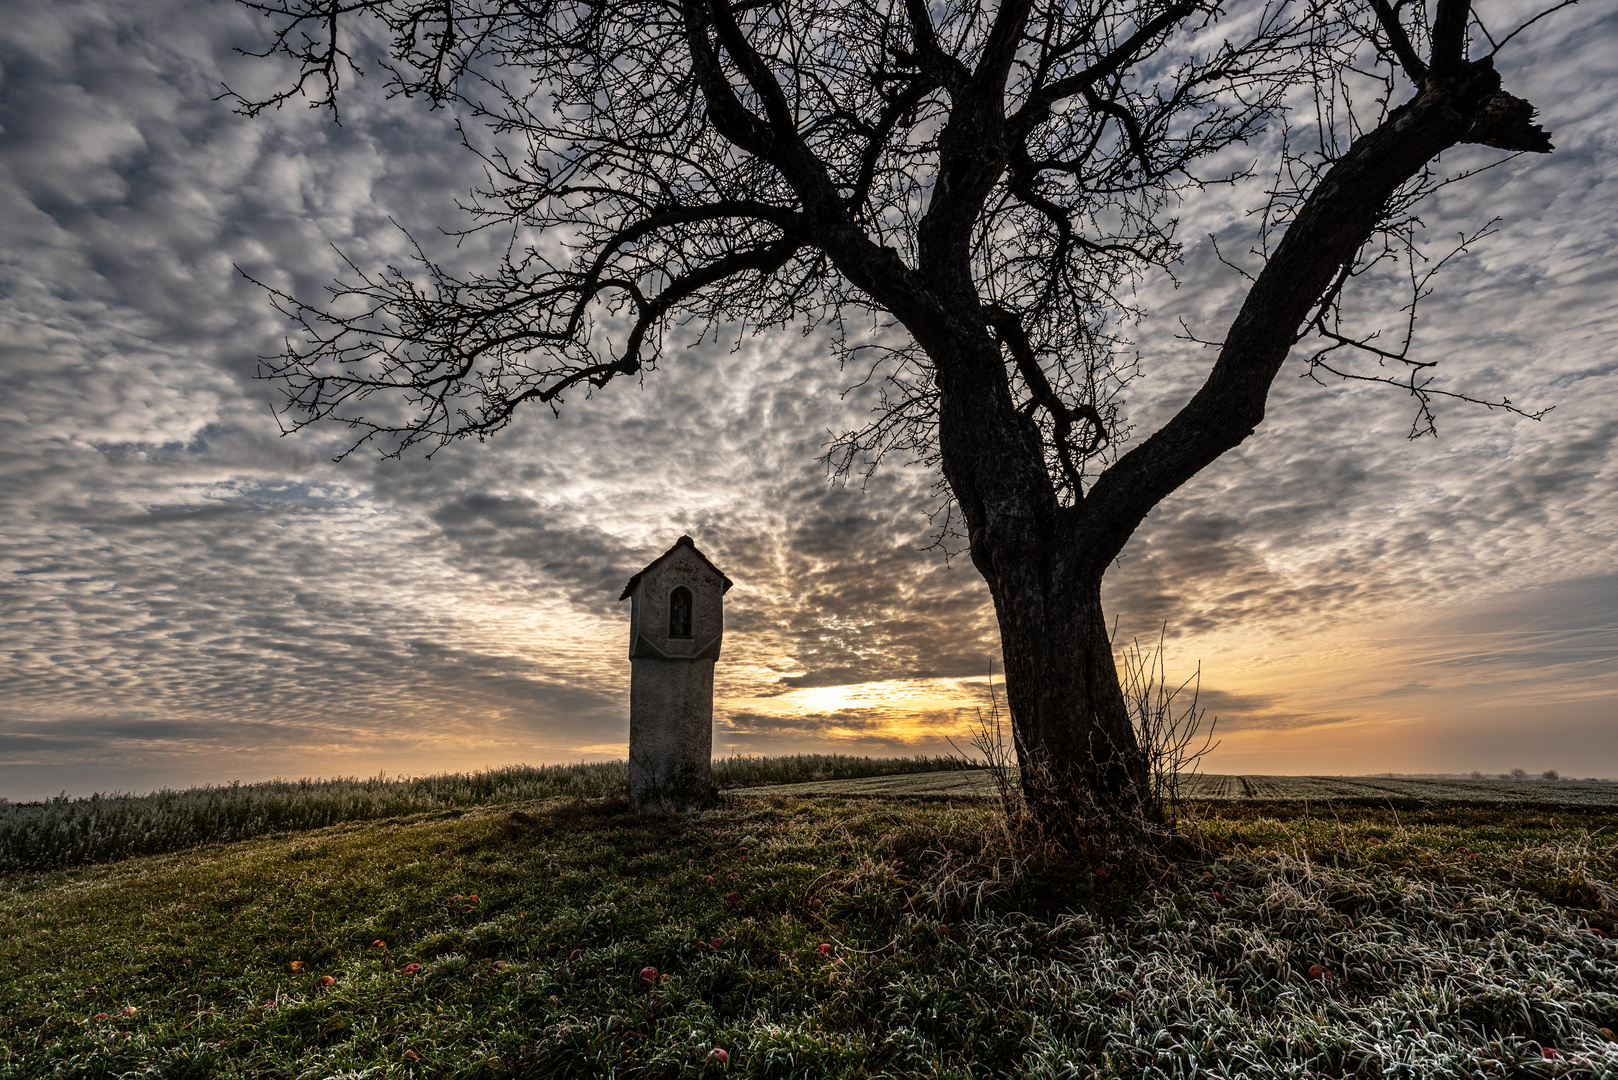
{"type": "Point", "coordinates": [1010, 330]}
{"type": "Point", "coordinates": [1339, 215]}
{"type": "Point", "coordinates": [733, 119]}
{"type": "Point", "coordinates": [1449, 38]}
{"type": "Point", "coordinates": [825, 217]}
{"type": "Point", "coordinates": [1399, 41]}
{"type": "Point", "coordinates": [948, 69]}
{"type": "Point", "coordinates": [999, 50]}
{"type": "Point", "coordinates": [664, 217]}
{"type": "Point", "coordinates": [765, 260]}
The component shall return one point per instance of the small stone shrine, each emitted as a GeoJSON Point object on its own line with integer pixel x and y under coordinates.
{"type": "Point", "coordinates": [676, 623]}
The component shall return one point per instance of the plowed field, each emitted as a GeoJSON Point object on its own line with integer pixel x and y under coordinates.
{"type": "Point", "coordinates": [975, 783]}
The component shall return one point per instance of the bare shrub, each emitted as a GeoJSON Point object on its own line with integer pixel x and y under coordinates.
{"type": "Point", "coordinates": [1046, 821]}
{"type": "Point", "coordinates": [999, 756]}
{"type": "Point", "coordinates": [1169, 723]}
{"type": "Point", "coordinates": [1023, 839]}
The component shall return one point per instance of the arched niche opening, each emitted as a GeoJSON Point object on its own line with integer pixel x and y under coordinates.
{"type": "Point", "coordinates": [680, 612]}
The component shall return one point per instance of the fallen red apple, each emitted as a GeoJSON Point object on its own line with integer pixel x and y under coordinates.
{"type": "Point", "coordinates": [473, 898]}
{"type": "Point", "coordinates": [717, 943]}
{"type": "Point", "coordinates": [708, 880]}
{"type": "Point", "coordinates": [468, 907]}
{"type": "Point", "coordinates": [575, 954]}
{"type": "Point", "coordinates": [325, 980]}
{"type": "Point", "coordinates": [648, 976]}
{"type": "Point", "coordinates": [1550, 1053]}
{"type": "Point", "coordinates": [733, 898]}
{"type": "Point", "coordinates": [411, 969]}
{"type": "Point", "coordinates": [716, 1054]}
{"type": "Point", "coordinates": [824, 948]}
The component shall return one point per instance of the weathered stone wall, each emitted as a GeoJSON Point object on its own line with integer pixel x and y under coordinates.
{"type": "Point", "coordinates": [671, 683]}
{"type": "Point", "coordinates": [670, 735]}
{"type": "Point", "coordinates": [649, 610]}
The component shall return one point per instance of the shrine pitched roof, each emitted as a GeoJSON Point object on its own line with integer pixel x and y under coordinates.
{"type": "Point", "coordinates": [684, 541]}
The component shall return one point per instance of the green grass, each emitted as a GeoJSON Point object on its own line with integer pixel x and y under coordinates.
{"type": "Point", "coordinates": [1461, 940]}
{"type": "Point", "coordinates": [103, 828]}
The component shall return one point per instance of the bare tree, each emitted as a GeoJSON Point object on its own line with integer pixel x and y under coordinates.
{"type": "Point", "coordinates": [964, 191]}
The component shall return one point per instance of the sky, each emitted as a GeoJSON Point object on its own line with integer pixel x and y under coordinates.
{"type": "Point", "coordinates": [188, 597]}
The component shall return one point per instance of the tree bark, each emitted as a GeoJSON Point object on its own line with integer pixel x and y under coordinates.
{"type": "Point", "coordinates": [1073, 733]}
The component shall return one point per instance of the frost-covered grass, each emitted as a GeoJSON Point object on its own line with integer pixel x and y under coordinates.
{"type": "Point", "coordinates": [1458, 944]}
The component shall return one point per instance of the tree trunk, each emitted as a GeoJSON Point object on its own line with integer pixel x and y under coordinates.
{"type": "Point", "coordinates": [1075, 740]}
{"type": "Point", "coordinates": [1083, 767]}
{"type": "Point", "coordinates": [1075, 737]}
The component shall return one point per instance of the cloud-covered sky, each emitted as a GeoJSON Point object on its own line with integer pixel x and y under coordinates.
{"type": "Point", "coordinates": [186, 596]}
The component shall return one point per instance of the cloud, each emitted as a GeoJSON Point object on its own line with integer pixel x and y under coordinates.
{"type": "Point", "coordinates": [186, 596]}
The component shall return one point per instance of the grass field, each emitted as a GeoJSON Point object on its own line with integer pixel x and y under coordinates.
{"type": "Point", "coordinates": [826, 937]}
{"type": "Point", "coordinates": [1346, 790]}
{"type": "Point", "coordinates": [102, 828]}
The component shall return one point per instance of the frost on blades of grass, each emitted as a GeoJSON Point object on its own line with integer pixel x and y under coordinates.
{"type": "Point", "coordinates": [514, 942]}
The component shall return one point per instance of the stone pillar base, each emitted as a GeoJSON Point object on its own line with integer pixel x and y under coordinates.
{"type": "Point", "coordinates": [670, 735]}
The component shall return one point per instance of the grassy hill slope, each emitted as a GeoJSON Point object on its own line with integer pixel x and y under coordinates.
{"type": "Point", "coordinates": [821, 937]}
{"type": "Point", "coordinates": [104, 828]}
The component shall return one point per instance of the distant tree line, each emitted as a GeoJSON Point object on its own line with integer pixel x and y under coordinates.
{"type": "Point", "coordinates": [1524, 774]}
